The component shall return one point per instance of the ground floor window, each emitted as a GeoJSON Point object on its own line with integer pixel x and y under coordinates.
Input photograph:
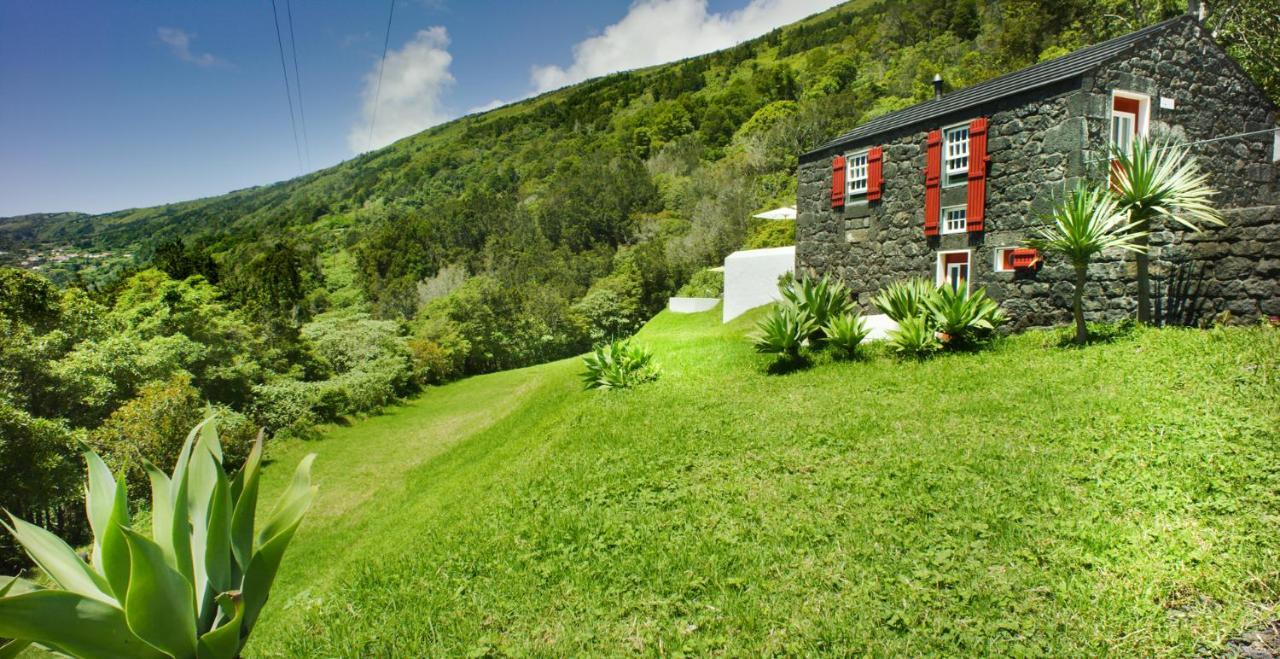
{"type": "Point", "coordinates": [1004, 259]}
{"type": "Point", "coordinates": [953, 270]}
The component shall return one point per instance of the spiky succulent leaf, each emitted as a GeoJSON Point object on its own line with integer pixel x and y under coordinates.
{"type": "Point", "coordinates": [274, 539]}
{"type": "Point", "coordinates": [159, 607]}
{"type": "Point", "coordinates": [72, 624]}
{"type": "Point", "coordinates": [845, 332]}
{"type": "Point", "coordinates": [904, 299]}
{"type": "Point", "coordinates": [223, 641]}
{"type": "Point", "coordinates": [59, 561]}
{"type": "Point", "coordinates": [246, 504]}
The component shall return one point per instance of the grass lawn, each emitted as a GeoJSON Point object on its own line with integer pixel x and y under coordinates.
{"type": "Point", "coordinates": [1120, 499]}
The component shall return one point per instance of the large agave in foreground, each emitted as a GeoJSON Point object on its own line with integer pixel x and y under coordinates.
{"type": "Point", "coordinates": [193, 587]}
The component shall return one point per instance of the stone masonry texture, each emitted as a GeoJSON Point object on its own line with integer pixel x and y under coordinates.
{"type": "Point", "coordinates": [1045, 140]}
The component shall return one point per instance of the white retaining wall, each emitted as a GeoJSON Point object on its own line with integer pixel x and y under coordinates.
{"type": "Point", "coordinates": [751, 278]}
{"type": "Point", "coordinates": [692, 304]}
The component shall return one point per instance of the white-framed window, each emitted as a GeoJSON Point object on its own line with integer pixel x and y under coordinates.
{"type": "Point", "coordinates": [953, 269]}
{"type": "Point", "coordinates": [954, 219]}
{"type": "Point", "coordinates": [857, 176]}
{"type": "Point", "coordinates": [1123, 128]}
{"type": "Point", "coordinates": [955, 151]}
{"type": "Point", "coordinates": [1004, 259]}
{"type": "Point", "coordinates": [1130, 114]}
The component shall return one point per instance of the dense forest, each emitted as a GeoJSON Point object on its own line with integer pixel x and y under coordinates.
{"type": "Point", "coordinates": [503, 239]}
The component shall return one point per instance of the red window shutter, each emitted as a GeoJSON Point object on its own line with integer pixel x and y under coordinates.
{"type": "Point", "coordinates": [837, 182]}
{"type": "Point", "coordinates": [1024, 259]}
{"type": "Point", "coordinates": [976, 209]}
{"type": "Point", "coordinates": [932, 182]}
{"type": "Point", "coordinates": [875, 173]}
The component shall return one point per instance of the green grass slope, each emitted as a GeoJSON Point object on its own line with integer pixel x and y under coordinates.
{"type": "Point", "coordinates": [1118, 499]}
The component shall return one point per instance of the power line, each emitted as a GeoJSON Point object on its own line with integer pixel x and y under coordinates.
{"type": "Point", "coordinates": [382, 62]}
{"type": "Point", "coordinates": [288, 91]}
{"type": "Point", "coordinates": [297, 81]}
{"type": "Point", "coordinates": [1176, 145]}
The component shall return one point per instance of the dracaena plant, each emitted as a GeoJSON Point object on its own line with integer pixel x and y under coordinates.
{"type": "Point", "coordinates": [191, 587]}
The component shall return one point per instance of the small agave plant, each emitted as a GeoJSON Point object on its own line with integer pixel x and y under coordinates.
{"type": "Point", "coordinates": [193, 588]}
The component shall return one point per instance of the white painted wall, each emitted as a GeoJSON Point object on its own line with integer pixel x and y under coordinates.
{"type": "Point", "coordinates": [692, 304]}
{"type": "Point", "coordinates": [751, 278]}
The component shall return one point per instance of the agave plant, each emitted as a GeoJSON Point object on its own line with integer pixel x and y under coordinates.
{"type": "Point", "coordinates": [960, 317]}
{"type": "Point", "coordinates": [914, 338]}
{"type": "Point", "coordinates": [822, 299]}
{"type": "Point", "coordinates": [193, 587]}
{"type": "Point", "coordinates": [618, 365]}
{"type": "Point", "coordinates": [1159, 178]}
{"type": "Point", "coordinates": [784, 331]}
{"type": "Point", "coordinates": [904, 299]}
{"type": "Point", "coordinates": [845, 332]}
{"type": "Point", "coordinates": [1081, 226]}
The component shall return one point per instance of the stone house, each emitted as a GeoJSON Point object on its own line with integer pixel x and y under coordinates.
{"type": "Point", "coordinates": [951, 188]}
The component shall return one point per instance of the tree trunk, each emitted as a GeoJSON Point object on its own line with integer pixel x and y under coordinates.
{"type": "Point", "coordinates": [1077, 303]}
{"type": "Point", "coordinates": [1144, 272]}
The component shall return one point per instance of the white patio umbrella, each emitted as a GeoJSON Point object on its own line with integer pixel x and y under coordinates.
{"type": "Point", "coordinates": [784, 213]}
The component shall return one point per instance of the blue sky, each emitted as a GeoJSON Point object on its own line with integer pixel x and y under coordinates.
{"type": "Point", "coordinates": [110, 105]}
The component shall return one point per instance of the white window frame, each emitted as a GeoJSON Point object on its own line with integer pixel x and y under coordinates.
{"type": "Point", "coordinates": [850, 176]}
{"type": "Point", "coordinates": [960, 174]}
{"type": "Point", "coordinates": [964, 220]}
{"type": "Point", "coordinates": [941, 278]}
{"type": "Point", "coordinates": [1141, 122]}
{"type": "Point", "coordinates": [998, 264]}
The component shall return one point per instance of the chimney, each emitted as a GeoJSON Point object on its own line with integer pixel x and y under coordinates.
{"type": "Point", "coordinates": [1196, 8]}
{"type": "Point", "coordinates": [937, 83]}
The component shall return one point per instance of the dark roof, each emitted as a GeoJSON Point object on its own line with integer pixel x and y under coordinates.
{"type": "Point", "coordinates": [1038, 75]}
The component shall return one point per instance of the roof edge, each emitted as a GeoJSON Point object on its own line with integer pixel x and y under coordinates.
{"type": "Point", "coordinates": [1151, 30]}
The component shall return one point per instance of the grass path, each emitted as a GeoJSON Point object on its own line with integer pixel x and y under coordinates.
{"type": "Point", "coordinates": [1026, 500]}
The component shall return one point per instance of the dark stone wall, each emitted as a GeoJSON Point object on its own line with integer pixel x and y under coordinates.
{"type": "Point", "coordinates": [1041, 143]}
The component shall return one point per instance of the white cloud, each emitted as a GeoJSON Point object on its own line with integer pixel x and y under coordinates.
{"type": "Point", "coordinates": [657, 31]}
{"type": "Point", "coordinates": [179, 43]}
{"type": "Point", "coordinates": [414, 79]}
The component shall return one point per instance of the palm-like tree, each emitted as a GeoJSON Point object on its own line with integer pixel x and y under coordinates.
{"type": "Point", "coordinates": [1159, 178]}
{"type": "Point", "coordinates": [1084, 224]}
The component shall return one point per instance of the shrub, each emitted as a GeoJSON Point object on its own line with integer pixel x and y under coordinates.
{"type": "Point", "coordinates": [148, 428]}
{"type": "Point", "coordinates": [963, 319]}
{"type": "Point", "coordinates": [704, 283]}
{"type": "Point", "coordinates": [783, 332]}
{"type": "Point", "coordinates": [775, 233]}
{"type": "Point", "coordinates": [819, 299]}
{"type": "Point", "coordinates": [286, 405]}
{"type": "Point", "coordinates": [914, 338]}
{"type": "Point", "coordinates": [904, 299]}
{"type": "Point", "coordinates": [195, 585]}
{"type": "Point", "coordinates": [845, 332]}
{"type": "Point", "coordinates": [618, 365]}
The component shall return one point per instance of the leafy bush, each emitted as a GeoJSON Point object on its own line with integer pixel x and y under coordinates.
{"type": "Point", "coordinates": [845, 332]}
{"type": "Point", "coordinates": [776, 233]}
{"type": "Point", "coordinates": [193, 588]}
{"type": "Point", "coordinates": [820, 299]}
{"type": "Point", "coordinates": [704, 283]}
{"type": "Point", "coordinates": [961, 318]}
{"type": "Point", "coordinates": [914, 338]}
{"type": "Point", "coordinates": [618, 365]}
{"type": "Point", "coordinates": [288, 405]}
{"type": "Point", "coordinates": [784, 331]}
{"type": "Point", "coordinates": [904, 299]}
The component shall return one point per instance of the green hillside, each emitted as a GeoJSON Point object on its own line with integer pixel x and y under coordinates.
{"type": "Point", "coordinates": [1027, 500]}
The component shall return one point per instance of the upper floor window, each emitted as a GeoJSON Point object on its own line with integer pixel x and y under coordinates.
{"type": "Point", "coordinates": [956, 148]}
{"type": "Point", "coordinates": [953, 219]}
{"type": "Point", "coordinates": [857, 165]}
